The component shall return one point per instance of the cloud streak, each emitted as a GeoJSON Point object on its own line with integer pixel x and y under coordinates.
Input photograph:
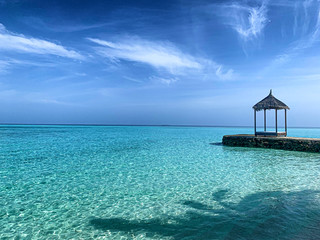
{"type": "Point", "coordinates": [156, 54]}
{"type": "Point", "coordinates": [310, 34]}
{"type": "Point", "coordinates": [19, 43]}
{"type": "Point", "coordinates": [165, 81]}
{"type": "Point", "coordinates": [4, 66]}
{"type": "Point", "coordinates": [159, 55]}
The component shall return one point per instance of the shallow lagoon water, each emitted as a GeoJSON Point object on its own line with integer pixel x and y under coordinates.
{"type": "Point", "coordinates": [117, 182]}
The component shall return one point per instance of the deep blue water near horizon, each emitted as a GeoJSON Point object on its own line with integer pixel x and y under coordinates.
{"type": "Point", "coordinates": [127, 182]}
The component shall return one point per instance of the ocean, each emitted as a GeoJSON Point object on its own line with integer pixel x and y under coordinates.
{"type": "Point", "coordinates": [134, 182]}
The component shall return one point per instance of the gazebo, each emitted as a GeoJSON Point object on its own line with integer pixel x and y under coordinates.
{"type": "Point", "coordinates": [270, 102]}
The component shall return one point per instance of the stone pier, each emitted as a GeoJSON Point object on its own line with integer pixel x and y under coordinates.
{"type": "Point", "coordinates": [284, 143]}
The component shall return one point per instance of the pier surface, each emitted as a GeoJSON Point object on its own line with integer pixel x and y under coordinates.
{"type": "Point", "coordinates": [284, 143]}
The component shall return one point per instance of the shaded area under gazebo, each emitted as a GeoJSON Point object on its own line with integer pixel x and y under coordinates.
{"type": "Point", "coordinates": [268, 103]}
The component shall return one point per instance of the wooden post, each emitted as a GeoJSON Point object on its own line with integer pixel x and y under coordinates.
{"type": "Point", "coordinates": [265, 121]}
{"type": "Point", "coordinates": [285, 120]}
{"type": "Point", "coordinates": [277, 121]}
{"type": "Point", "coordinates": [255, 123]}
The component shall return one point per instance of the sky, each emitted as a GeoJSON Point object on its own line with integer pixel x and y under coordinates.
{"type": "Point", "coordinates": [158, 62]}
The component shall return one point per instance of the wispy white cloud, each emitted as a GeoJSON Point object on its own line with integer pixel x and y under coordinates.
{"type": "Point", "coordinates": [310, 33]}
{"type": "Point", "coordinates": [246, 20]}
{"type": "Point", "coordinates": [306, 6]}
{"type": "Point", "coordinates": [66, 77]}
{"type": "Point", "coordinates": [39, 23]}
{"type": "Point", "coordinates": [8, 63]}
{"type": "Point", "coordinates": [19, 43]}
{"type": "Point", "coordinates": [165, 81]}
{"type": "Point", "coordinates": [302, 16]}
{"type": "Point", "coordinates": [159, 55]}
{"type": "Point", "coordinates": [132, 79]}
{"type": "Point", "coordinates": [224, 75]}
{"type": "Point", "coordinates": [4, 66]}
{"type": "Point", "coordinates": [215, 71]}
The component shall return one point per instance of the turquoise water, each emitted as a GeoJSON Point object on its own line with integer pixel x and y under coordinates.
{"type": "Point", "coordinates": [100, 182]}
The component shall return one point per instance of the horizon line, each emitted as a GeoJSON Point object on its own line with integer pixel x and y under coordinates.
{"type": "Point", "coordinates": [136, 125]}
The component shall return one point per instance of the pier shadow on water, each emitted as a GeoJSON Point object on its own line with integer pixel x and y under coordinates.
{"type": "Point", "coordinates": [262, 215]}
{"type": "Point", "coordinates": [216, 143]}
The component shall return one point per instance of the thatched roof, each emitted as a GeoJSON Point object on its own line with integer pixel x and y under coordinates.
{"type": "Point", "coordinates": [270, 102]}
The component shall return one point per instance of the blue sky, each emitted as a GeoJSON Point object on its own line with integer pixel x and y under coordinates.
{"type": "Point", "coordinates": [158, 62]}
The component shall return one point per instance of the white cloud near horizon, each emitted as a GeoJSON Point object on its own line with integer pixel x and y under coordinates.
{"type": "Point", "coordinates": [19, 43]}
{"type": "Point", "coordinates": [160, 55]}
{"type": "Point", "coordinates": [247, 21]}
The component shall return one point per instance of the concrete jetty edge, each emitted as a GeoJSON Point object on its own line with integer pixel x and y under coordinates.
{"type": "Point", "coordinates": [284, 143]}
